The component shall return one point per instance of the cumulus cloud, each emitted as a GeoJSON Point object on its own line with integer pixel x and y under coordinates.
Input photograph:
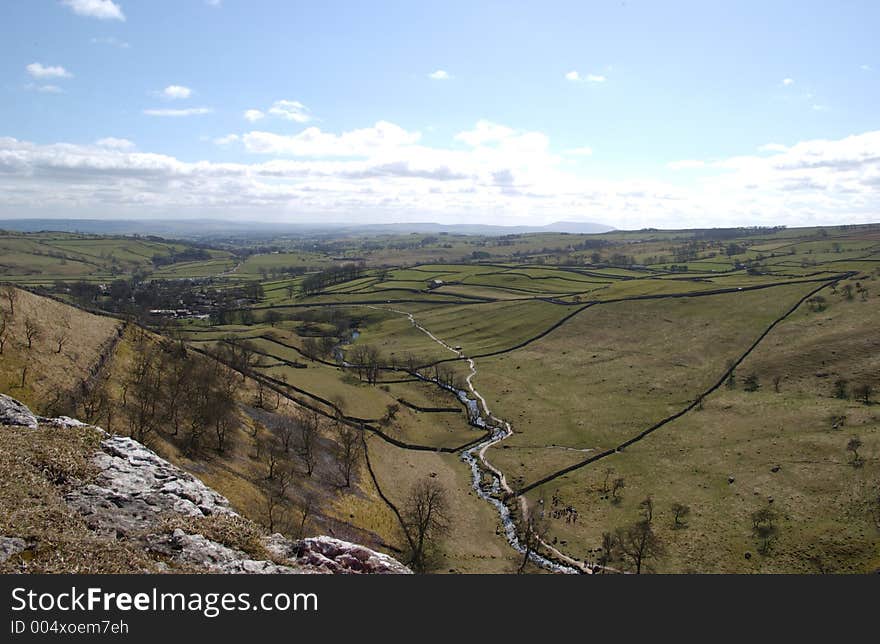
{"type": "Point", "coordinates": [787, 81]}
{"type": "Point", "coordinates": [101, 9]}
{"type": "Point", "coordinates": [440, 74]}
{"type": "Point", "coordinates": [484, 132]}
{"type": "Point", "coordinates": [173, 92]}
{"type": "Point", "coordinates": [573, 76]}
{"type": "Point", "coordinates": [385, 171]}
{"type": "Point", "coordinates": [113, 143]}
{"type": "Point", "coordinates": [595, 78]}
{"type": "Point", "coordinates": [253, 115]}
{"type": "Point", "coordinates": [291, 110]}
{"type": "Point", "coordinates": [314, 142]}
{"type": "Point", "coordinates": [190, 111]}
{"type": "Point", "coordinates": [226, 140]}
{"type": "Point", "coordinates": [38, 70]}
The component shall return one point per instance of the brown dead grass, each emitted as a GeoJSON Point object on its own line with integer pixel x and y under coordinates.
{"type": "Point", "coordinates": [36, 468]}
{"type": "Point", "coordinates": [50, 375]}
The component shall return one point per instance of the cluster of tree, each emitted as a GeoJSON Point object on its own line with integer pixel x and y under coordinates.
{"type": "Point", "coordinates": [317, 282]}
{"type": "Point", "coordinates": [365, 361]}
{"type": "Point", "coordinates": [189, 399]}
{"type": "Point", "coordinates": [637, 544]}
{"type": "Point", "coordinates": [188, 254]}
{"type": "Point", "coordinates": [276, 272]}
{"type": "Point", "coordinates": [863, 391]}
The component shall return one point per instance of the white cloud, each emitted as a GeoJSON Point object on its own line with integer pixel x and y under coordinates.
{"type": "Point", "coordinates": [45, 89]}
{"type": "Point", "coordinates": [112, 143]}
{"type": "Point", "coordinates": [313, 142]}
{"type": "Point", "coordinates": [101, 9]}
{"type": "Point", "coordinates": [583, 151]}
{"type": "Point", "coordinates": [253, 115]}
{"type": "Point", "coordinates": [38, 70]}
{"type": "Point", "coordinates": [818, 107]}
{"type": "Point", "coordinates": [112, 41]}
{"type": "Point", "coordinates": [226, 140]}
{"type": "Point", "coordinates": [484, 132]}
{"type": "Point", "coordinates": [173, 92]}
{"type": "Point", "coordinates": [772, 147]}
{"type": "Point", "coordinates": [290, 110]}
{"type": "Point", "coordinates": [440, 74]}
{"type": "Point", "coordinates": [575, 77]}
{"type": "Point", "coordinates": [384, 172]}
{"type": "Point", "coordinates": [190, 111]}
{"type": "Point", "coordinates": [787, 81]}
{"type": "Point", "coordinates": [686, 164]}
{"type": "Point", "coordinates": [866, 68]}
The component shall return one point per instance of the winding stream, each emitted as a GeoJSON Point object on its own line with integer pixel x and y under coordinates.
{"type": "Point", "coordinates": [475, 457]}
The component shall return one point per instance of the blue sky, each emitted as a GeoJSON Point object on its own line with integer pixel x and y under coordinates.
{"type": "Point", "coordinates": [630, 113]}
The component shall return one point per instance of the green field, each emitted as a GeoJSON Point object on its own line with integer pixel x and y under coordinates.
{"type": "Point", "coordinates": [581, 343]}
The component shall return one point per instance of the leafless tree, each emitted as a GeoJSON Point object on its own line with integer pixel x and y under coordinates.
{"type": "Point", "coordinates": [425, 519]}
{"type": "Point", "coordinates": [606, 550]}
{"type": "Point", "coordinates": [4, 331]}
{"type": "Point", "coordinates": [764, 528]}
{"type": "Point", "coordinates": [646, 507]}
{"type": "Point", "coordinates": [853, 445]}
{"type": "Point", "coordinates": [863, 392]}
{"type": "Point", "coordinates": [618, 484]}
{"type": "Point", "coordinates": [306, 448]}
{"type": "Point", "coordinates": [347, 451]}
{"type": "Point", "coordinates": [532, 533]}
{"type": "Point", "coordinates": [32, 331]}
{"type": "Point", "coordinates": [10, 294]}
{"type": "Point", "coordinates": [305, 510]}
{"type": "Point", "coordinates": [61, 338]}
{"type": "Point", "coordinates": [680, 513]}
{"type": "Point", "coordinates": [639, 543]}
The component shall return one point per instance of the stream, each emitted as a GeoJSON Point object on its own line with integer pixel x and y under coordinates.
{"type": "Point", "coordinates": [480, 416]}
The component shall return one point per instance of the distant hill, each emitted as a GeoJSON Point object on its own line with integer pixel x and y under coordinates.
{"type": "Point", "coordinates": [201, 228]}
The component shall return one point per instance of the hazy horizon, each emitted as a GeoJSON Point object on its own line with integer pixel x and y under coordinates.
{"type": "Point", "coordinates": [631, 114]}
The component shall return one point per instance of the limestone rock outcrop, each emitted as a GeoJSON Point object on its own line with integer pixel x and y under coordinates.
{"type": "Point", "coordinates": [135, 492]}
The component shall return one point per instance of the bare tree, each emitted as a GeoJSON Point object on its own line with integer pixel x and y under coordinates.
{"type": "Point", "coordinates": [10, 294]}
{"type": "Point", "coordinates": [305, 510]}
{"type": "Point", "coordinates": [4, 331]}
{"type": "Point", "coordinates": [532, 534]}
{"type": "Point", "coordinates": [60, 338]}
{"type": "Point", "coordinates": [646, 507]}
{"type": "Point", "coordinates": [618, 484]}
{"type": "Point", "coordinates": [680, 513]}
{"type": "Point", "coordinates": [639, 543]}
{"type": "Point", "coordinates": [764, 528]}
{"type": "Point", "coordinates": [863, 392]}
{"type": "Point", "coordinates": [62, 334]}
{"type": "Point", "coordinates": [306, 449]}
{"type": "Point", "coordinates": [606, 550]}
{"type": "Point", "coordinates": [272, 455]}
{"type": "Point", "coordinates": [425, 519]}
{"type": "Point", "coordinates": [608, 472]}
{"type": "Point", "coordinates": [347, 451]}
{"type": "Point", "coordinates": [853, 445]}
{"type": "Point", "coordinates": [32, 331]}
